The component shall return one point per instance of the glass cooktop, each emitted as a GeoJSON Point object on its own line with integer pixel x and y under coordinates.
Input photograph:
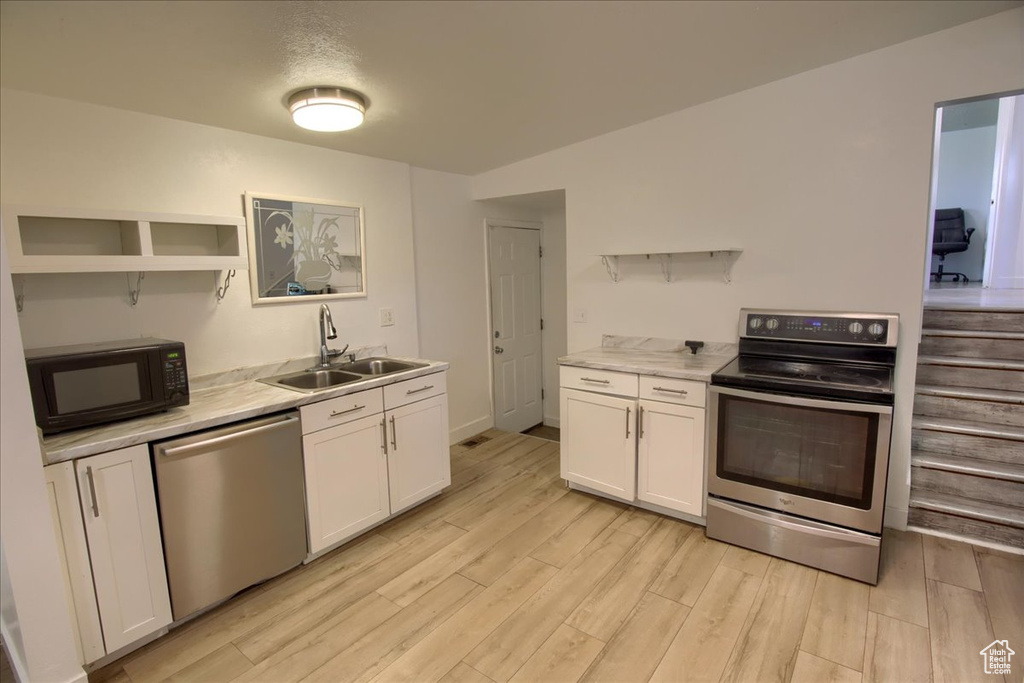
{"type": "Point", "coordinates": [830, 380]}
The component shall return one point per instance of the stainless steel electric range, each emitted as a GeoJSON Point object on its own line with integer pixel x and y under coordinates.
{"type": "Point", "coordinates": [800, 425]}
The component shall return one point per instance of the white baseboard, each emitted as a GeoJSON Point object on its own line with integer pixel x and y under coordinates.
{"type": "Point", "coordinates": [18, 667]}
{"type": "Point", "coordinates": [469, 429]}
{"type": "Point", "coordinates": [552, 422]}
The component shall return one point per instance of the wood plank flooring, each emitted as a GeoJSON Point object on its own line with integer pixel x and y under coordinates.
{"type": "Point", "coordinates": [509, 576]}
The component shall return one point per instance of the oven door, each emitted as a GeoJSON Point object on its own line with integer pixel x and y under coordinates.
{"type": "Point", "coordinates": [822, 459]}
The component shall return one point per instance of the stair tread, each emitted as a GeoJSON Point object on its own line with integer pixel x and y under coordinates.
{"type": "Point", "coordinates": [986, 429]}
{"type": "Point", "coordinates": [966, 507]}
{"type": "Point", "coordinates": [974, 394]}
{"type": "Point", "coordinates": [972, 334]}
{"type": "Point", "coordinates": [1003, 471]}
{"type": "Point", "coordinates": [973, 308]}
{"type": "Point", "coordinates": [967, 362]}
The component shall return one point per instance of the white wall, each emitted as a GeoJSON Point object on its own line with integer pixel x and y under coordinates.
{"type": "Point", "coordinates": [34, 614]}
{"type": "Point", "coordinates": [451, 256]}
{"type": "Point", "coordinates": [553, 307]}
{"type": "Point", "coordinates": [822, 178]}
{"type": "Point", "coordinates": [965, 180]}
{"type": "Point", "coordinates": [69, 154]}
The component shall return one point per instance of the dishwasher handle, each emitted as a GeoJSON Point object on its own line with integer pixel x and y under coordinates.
{"type": "Point", "coordinates": [216, 440]}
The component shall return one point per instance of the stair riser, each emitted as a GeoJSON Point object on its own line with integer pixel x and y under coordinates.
{"type": "Point", "coordinates": [967, 409]}
{"type": "Point", "coordinates": [978, 378]}
{"type": "Point", "coordinates": [972, 347]}
{"type": "Point", "coordinates": [969, 528]}
{"type": "Point", "coordinates": [998, 450]}
{"type": "Point", "coordinates": [988, 321]}
{"type": "Point", "coordinates": [1008, 493]}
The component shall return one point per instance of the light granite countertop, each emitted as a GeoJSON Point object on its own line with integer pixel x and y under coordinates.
{"type": "Point", "coordinates": [212, 404]}
{"type": "Point", "coordinates": [656, 357]}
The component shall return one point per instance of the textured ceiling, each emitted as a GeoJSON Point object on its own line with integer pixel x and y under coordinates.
{"type": "Point", "coordinates": [455, 86]}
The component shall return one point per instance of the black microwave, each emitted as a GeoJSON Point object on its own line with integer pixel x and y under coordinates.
{"type": "Point", "coordinates": [88, 384]}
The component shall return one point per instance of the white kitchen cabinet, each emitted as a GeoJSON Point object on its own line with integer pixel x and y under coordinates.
{"type": "Point", "coordinates": [598, 448]}
{"type": "Point", "coordinates": [419, 464]}
{"type": "Point", "coordinates": [119, 511]}
{"type": "Point", "coordinates": [670, 456]}
{"type": "Point", "coordinates": [62, 492]}
{"type": "Point", "coordinates": [346, 480]}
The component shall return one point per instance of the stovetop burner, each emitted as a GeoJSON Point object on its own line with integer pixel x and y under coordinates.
{"type": "Point", "coordinates": [855, 382]}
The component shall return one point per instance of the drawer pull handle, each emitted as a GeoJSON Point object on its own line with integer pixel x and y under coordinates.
{"type": "Point", "coordinates": [416, 391]}
{"type": "Point", "coordinates": [92, 492]}
{"type": "Point", "coordinates": [336, 413]}
{"type": "Point", "coordinates": [596, 381]}
{"type": "Point", "coordinates": [681, 392]}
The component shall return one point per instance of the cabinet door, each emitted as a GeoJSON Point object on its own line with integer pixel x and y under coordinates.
{"type": "Point", "coordinates": [119, 510]}
{"type": "Point", "coordinates": [419, 464]}
{"type": "Point", "coordinates": [671, 456]}
{"type": "Point", "coordinates": [599, 442]}
{"type": "Point", "coordinates": [346, 480]}
{"type": "Point", "coordinates": [62, 492]}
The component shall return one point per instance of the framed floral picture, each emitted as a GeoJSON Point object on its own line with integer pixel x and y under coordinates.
{"type": "Point", "coordinates": [302, 249]}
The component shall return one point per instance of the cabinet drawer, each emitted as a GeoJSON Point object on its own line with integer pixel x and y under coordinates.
{"type": "Point", "coordinates": [601, 381]}
{"type": "Point", "coordinates": [682, 391]}
{"type": "Point", "coordinates": [401, 393]}
{"type": "Point", "coordinates": [336, 411]}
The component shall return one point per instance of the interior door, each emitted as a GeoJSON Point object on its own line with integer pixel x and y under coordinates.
{"type": "Point", "coordinates": [514, 255]}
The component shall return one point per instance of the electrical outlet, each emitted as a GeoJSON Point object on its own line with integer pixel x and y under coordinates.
{"type": "Point", "coordinates": [387, 317]}
{"type": "Point", "coordinates": [579, 315]}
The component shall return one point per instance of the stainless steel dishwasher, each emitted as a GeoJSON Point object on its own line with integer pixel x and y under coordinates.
{"type": "Point", "coordinates": [232, 508]}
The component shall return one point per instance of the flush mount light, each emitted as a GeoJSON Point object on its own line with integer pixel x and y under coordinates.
{"type": "Point", "coordinates": [327, 109]}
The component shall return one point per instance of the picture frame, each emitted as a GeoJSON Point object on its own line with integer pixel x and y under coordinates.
{"type": "Point", "coordinates": [303, 249]}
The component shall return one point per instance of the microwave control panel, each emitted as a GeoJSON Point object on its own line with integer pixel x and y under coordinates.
{"type": "Point", "coordinates": [175, 373]}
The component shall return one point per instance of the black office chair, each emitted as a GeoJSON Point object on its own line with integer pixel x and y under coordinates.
{"type": "Point", "coordinates": [950, 238]}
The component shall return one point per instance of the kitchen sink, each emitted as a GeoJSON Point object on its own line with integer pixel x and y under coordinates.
{"type": "Point", "coordinates": [379, 366]}
{"type": "Point", "coordinates": [310, 381]}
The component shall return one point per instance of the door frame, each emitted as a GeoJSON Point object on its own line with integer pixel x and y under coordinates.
{"type": "Point", "coordinates": [506, 223]}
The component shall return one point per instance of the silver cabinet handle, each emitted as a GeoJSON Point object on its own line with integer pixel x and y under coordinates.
{"type": "Point", "coordinates": [416, 391]}
{"type": "Point", "coordinates": [681, 392]}
{"type": "Point", "coordinates": [384, 435]}
{"type": "Point", "coordinates": [394, 434]}
{"type": "Point", "coordinates": [596, 381]}
{"type": "Point", "coordinates": [241, 434]}
{"type": "Point", "coordinates": [640, 428]}
{"type": "Point", "coordinates": [92, 492]}
{"type": "Point", "coordinates": [336, 413]}
{"type": "Point", "coordinates": [627, 422]}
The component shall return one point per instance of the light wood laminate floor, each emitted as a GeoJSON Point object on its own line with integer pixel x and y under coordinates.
{"type": "Point", "coordinates": [509, 576]}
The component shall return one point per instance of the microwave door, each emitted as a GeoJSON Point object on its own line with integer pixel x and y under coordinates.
{"type": "Point", "coordinates": [77, 392]}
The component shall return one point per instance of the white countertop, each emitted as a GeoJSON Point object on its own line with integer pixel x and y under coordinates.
{"type": "Point", "coordinates": [659, 358]}
{"type": "Point", "coordinates": [208, 407]}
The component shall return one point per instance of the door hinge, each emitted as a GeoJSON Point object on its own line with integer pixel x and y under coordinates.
{"type": "Point", "coordinates": [541, 251]}
{"type": "Point", "coordinates": [542, 394]}
{"type": "Point", "coordinates": [542, 323]}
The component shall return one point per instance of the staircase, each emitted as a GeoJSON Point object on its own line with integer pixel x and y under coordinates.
{"type": "Point", "coordinates": [967, 476]}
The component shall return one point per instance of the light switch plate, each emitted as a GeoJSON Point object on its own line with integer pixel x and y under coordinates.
{"type": "Point", "coordinates": [387, 317]}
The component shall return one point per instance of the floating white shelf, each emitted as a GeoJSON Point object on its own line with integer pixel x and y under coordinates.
{"type": "Point", "coordinates": [727, 255]}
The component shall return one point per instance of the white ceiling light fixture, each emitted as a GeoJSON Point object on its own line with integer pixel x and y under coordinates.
{"type": "Point", "coordinates": [327, 109]}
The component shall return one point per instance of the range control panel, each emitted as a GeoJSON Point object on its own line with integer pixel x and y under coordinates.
{"type": "Point", "coordinates": [849, 328]}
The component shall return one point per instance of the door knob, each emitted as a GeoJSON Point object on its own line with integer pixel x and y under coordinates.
{"type": "Point", "coordinates": [498, 349]}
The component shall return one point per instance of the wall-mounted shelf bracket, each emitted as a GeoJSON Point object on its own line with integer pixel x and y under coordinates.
{"type": "Point", "coordinates": [222, 291]}
{"type": "Point", "coordinates": [611, 264]}
{"type": "Point", "coordinates": [666, 266]}
{"type": "Point", "coordinates": [728, 256]}
{"type": "Point", "coordinates": [133, 294]}
{"type": "Point", "coordinates": [19, 292]}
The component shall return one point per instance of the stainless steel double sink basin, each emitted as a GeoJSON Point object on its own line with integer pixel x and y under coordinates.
{"type": "Point", "coordinates": [316, 379]}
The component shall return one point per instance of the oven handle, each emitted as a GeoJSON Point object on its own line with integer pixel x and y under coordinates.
{"type": "Point", "coordinates": [824, 404]}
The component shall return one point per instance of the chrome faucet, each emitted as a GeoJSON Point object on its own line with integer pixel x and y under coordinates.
{"type": "Point", "coordinates": [327, 331]}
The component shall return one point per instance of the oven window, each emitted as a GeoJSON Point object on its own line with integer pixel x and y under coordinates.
{"type": "Point", "coordinates": [96, 387]}
{"type": "Point", "coordinates": [823, 454]}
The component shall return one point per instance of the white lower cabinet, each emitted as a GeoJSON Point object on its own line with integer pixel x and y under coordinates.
{"type": "Point", "coordinates": [670, 456]}
{"type": "Point", "coordinates": [598, 447]}
{"type": "Point", "coordinates": [346, 480]}
{"type": "Point", "coordinates": [419, 464]}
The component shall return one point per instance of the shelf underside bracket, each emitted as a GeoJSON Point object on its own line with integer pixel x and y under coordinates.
{"type": "Point", "coordinates": [19, 292]}
{"type": "Point", "coordinates": [666, 266]}
{"type": "Point", "coordinates": [222, 291]}
{"type": "Point", "coordinates": [611, 264]}
{"type": "Point", "coordinates": [133, 294]}
{"type": "Point", "coordinates": [727, 260]}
